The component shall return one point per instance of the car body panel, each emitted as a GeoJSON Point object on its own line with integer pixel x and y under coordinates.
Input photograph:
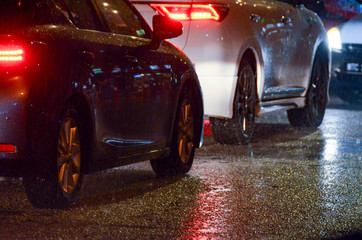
{"type": "Point", "coordinates": [12, 114]}
{"type": "Point", "coordinates": [128, 91]}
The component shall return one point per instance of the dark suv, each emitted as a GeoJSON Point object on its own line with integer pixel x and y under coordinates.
{"type": "Point", "coordinates": [86, 85]}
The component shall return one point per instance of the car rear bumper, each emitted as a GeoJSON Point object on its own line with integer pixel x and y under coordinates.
{"type": "Point", "coordinates": [13, 118]}
{"type": "Point", "coordinates": [218, 92]}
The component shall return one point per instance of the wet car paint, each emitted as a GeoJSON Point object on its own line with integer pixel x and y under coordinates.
{"type": "Point", "coordinates": [286, 184]}
{"type": "Point", "coordinates": [270, 32]}
{"type": "Point", "coordinates": [80, 95]}
{"type": "Point", "coordinates": [116, 76]}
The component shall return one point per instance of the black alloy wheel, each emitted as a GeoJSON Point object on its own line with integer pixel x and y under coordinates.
{"type": "Point", "coordinates": [246, 101]}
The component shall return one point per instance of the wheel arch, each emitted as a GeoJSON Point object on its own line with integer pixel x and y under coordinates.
{"type": "Point", "coordinates": [249, 56]}
{"type": "Point", "coordinates": [322, 50]}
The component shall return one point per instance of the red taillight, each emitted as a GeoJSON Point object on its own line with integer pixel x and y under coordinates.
{"type": "Point", "coordinates": [191, 11]}
{"type": "Point", "coordinates": [13, 55]}
{"type": "Point", "coordinates": [204, 12]}
{"type": "Point", "coordinates": [7, 148]}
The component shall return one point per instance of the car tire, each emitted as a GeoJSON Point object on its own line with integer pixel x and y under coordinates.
{"type": "Point", "coordinates": [60, 188]}
{"type": "Point", "coordinates": [180, 160]}
{"type": "Point", "coordinates": [311, 116]}
{"type": "Point", "coordinates": [239, 129]}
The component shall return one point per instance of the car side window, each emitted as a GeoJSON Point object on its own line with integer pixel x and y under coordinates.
{"type": "Point", "coordinates": [121, 18]}
{"type": "Point", "coordinates": [80, 12]}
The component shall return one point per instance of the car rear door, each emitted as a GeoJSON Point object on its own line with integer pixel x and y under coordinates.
{"type": "Point", "coordinates": [269, 26]}
{"type": "Point", "coordinates": [300, 35]}
{"type": "Point", "coordinates": [273, 25]}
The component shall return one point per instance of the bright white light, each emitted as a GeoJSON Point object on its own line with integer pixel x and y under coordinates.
{"type": "Point", "coordinates": [334, 39]}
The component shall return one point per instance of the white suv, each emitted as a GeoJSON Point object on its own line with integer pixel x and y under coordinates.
{"type": "Point", "coordinates": [252, 57]}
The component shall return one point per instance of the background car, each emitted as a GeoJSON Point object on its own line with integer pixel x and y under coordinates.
{"type": "Point", "coordinates": [345, 8]}
{"type": "Point", "coordinates": [252, 57]}
{"type": "Point", "coordinates": [86, 85]}
{"type": "Point", "coordinates": [335, 12]}
{"type": "Point", "coordinates": [346, 45]}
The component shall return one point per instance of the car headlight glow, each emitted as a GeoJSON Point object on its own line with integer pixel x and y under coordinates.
{"type": "Point", "coordinates": [334, 39]}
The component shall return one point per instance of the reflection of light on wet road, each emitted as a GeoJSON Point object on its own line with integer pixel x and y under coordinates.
{"type": "Point", "coordinates": [330, 155]}
{"type": "Point", "coordinates": [289, 184]}
{"type": "Point", "coordinates": [339, 166]}
{"type": "Point", "coordinates": [208, 218]}
{"type": "Point", "coordinates": [330, 150]}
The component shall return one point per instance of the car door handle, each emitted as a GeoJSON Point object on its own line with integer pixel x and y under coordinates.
{"type": "Point", "coordinates": [254, 17]}
{"type": "Point", "coordinates": [89, 57]}
{"type": "Point", "coordinates": [286, 20]}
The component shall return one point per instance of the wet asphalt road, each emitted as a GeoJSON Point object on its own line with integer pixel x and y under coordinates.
{"type": "Point", "coordinates": [286, 184]}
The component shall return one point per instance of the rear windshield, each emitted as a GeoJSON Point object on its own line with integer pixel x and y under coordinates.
{"type": "Point", "coordinates": [15, 14]}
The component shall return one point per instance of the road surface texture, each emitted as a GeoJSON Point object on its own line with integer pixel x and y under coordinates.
{"type": "Point", "coordinates": [286, 184]}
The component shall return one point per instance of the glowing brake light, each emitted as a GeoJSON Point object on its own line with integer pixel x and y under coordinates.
{"type": "Point", "coordinates": [190, 11]}
{"type": "Point", "coordinates": [204, 12]}
{"type": "Point", "coordinates": [14, 55]}
{"type": "Point", "coordinates": [7, 148]}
